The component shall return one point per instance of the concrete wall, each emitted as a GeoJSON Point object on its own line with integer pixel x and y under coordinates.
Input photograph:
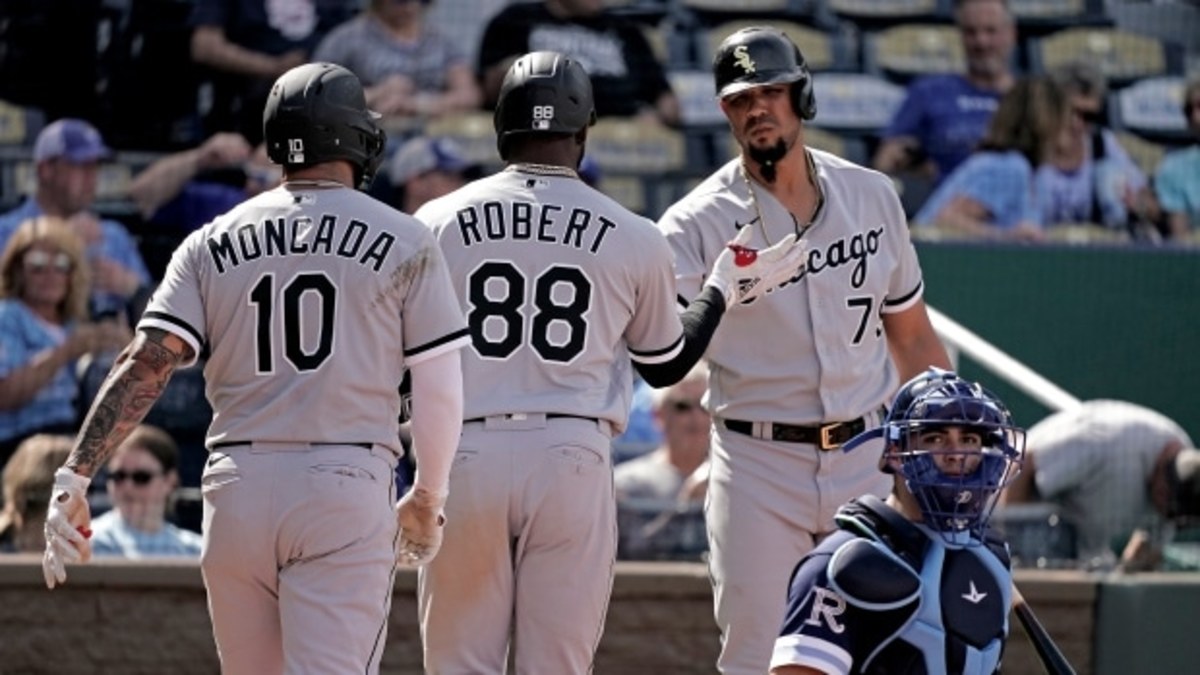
{"type": "Point", "coordinates": [130, 618]}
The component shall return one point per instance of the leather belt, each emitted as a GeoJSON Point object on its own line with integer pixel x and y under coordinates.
{"type": "Point", "coordinates": [825, 436]}
{"type": "Point", "coordinates": [519, 416]}
{"type": "Point", "coordinates": [231, 444]}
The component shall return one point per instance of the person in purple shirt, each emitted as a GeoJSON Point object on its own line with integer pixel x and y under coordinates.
{"type": "Point", "coordinates": [944, 116]}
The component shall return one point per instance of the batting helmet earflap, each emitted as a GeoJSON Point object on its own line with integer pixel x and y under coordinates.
{"type": "Point", "coordinates": [543, 93]}
{"type": "Point", "coordinates": [316, 113]}
{"type": "Point", "coordinates": [761, 55]}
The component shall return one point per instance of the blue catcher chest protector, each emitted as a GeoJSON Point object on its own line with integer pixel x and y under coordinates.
{"type": "Point", "coordinates": [950, 601]}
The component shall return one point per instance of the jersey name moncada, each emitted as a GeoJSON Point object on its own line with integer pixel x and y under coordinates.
{"type": "Point", "coordinates": [345, 238]}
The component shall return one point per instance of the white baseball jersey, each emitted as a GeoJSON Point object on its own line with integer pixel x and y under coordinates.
{"type": "Point", "coordinates": [310, 303]}
{"type": "Point", "coordinates": [812, 350]}
{"type": "Point", "coordinates": [559, 284]}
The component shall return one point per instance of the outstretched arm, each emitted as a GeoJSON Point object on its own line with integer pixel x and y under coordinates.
{"type": "Point", "coordinates": [138, 377]}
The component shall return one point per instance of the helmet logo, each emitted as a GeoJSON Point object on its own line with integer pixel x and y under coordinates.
{"type": "Point", "coordinates": [295, 151]}
{"type": "Point", "coordinates": [542, 116]}
{"type": "Point", "coordinates": [741, 58]}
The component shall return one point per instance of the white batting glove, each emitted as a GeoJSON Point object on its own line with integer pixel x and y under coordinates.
{"type": "Point", "coordinates": [742, 274]}
{"type": "Point", "coordinates": [421, 519]}
{"type": "Point", "coordinates": [67, 529]}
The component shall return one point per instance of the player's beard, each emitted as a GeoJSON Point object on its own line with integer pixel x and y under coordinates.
{"type": "Point", "coordinates": [767, 158]}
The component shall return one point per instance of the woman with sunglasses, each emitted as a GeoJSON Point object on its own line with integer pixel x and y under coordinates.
{"type": "Point", "coordinates": [142, 476]}
{"type": "Point", "coordinates": [1088, 177]}
{"type": "Point", "coordinates": [44, 286]}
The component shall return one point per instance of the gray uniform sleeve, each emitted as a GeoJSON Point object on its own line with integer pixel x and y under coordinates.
{"type": "Point", "coordinates": [177, 306]}
{"type": "Point", "coordinates": [906, 285]}
{"type": "Point", "coordinates": [655, 333]}
{"type": "Point", "coordinates": [433, 320]}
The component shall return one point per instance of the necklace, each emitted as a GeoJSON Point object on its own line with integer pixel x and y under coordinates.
{"type": "Point", "coordinates": [800, 231]}
{"type": "Point", "coordinates": [313, 183]}
{"type": "Point", "coordinates": [542, 169]}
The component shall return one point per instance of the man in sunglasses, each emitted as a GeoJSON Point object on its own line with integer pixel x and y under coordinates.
{"type": "Point", "coordinates": [649, 487]}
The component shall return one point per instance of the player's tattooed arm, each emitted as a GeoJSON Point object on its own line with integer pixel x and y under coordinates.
{"type": "Point", "coordinates": [138, 377]}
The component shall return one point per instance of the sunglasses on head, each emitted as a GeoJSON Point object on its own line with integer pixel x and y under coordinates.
{"type": "Point", "coordinates": [39, 261]}
{"type": "Point", "coordinates": [139, 476]}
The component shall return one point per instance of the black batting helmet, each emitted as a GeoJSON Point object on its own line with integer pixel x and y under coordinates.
{"type": "Point", "coordinates": [316, 113]}
{"type": "Point", "coordinates": [543, 93]}
{"type": "Point", "coordinates": [761, 55]}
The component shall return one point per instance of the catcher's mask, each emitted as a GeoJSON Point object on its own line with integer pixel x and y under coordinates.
{"type": "Point", "coordinates": [955, 477]}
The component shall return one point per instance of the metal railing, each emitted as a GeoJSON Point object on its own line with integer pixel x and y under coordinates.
{"type": "Point", "coordinates": [959, 338]}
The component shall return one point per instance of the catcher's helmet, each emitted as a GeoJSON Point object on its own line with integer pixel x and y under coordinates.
{"type": "Point", "coordinates": [317, 112]}
{"type": "Point", "coordinates": [761, 55]}
{"type": "Point", "coordinates": [545, 93]}
{"type": "Point", "coordinates": [951, 503]}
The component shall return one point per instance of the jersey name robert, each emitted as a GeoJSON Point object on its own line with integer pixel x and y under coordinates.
{"type": "Point", "coordinates": [579, 228]}
{"type": "Point", "coordinates": [357, 240]}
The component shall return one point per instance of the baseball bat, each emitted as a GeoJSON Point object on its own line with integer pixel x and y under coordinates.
{"type": "Point", "coordinates": [1053, 660]}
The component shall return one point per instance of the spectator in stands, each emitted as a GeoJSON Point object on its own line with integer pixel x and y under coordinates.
{"type": "Point", "coordinates": [246, 44]}
{"type": "Point", "coordinates": [66, 157]}
{"type": "Point", "coordinates": [28, 477]}
{"type": "Point", "coordinates": [626, 77]}
{"type": "Point", "coordinates": [943, 117]}
{"type": "Point", "coordinates": [426, 168]}
{"type": "Point", "coordinates": [1088, 177]}
{"type": "Point", "coordinates": [991, 195]}
{"type": "Point", "coordinates": [408, 67]}
{"type": "Point", "coordinates": [180, 192]}
{"type": "Point", "coordinates": [655, 520]}
{"type": "Point", "coordinates": [685, 425]}
{"type": "Point", "coordinates": [1177, 180]}
{"type": "Point", "coordinates": [1114, 467]}
{"type": "Point", "coordinates": [44, 330]}
{"type": "Point", "coordinates": [141, 478]}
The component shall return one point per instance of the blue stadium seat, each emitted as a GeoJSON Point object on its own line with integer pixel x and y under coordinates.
{"type": "Point", "coordinates": [902, 52]}
{"type": "Point", "coordinates": [1152, 107]}
{"type": "Point", "coordinates": [1039, 17]}
{"type": "Point", "coordinates": [856, 104]}
{"type": "Point", "coordinates": [1121, 55]}
{"type": "Point", "coordinates": [875, 14]}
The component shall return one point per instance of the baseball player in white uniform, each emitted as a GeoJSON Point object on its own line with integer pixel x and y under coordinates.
{"type": "Point", "coordinates": [810, 364]}
{"type": "Point", "coordinates": [309, 301]}
{"type": "Point", "coordinates": [562, 288]}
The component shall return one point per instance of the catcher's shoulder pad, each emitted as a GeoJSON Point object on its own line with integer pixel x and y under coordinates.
{"type": "Point", "coordinates": [870, 575]}
{"type": "Point", "coordinates": [870, 517]}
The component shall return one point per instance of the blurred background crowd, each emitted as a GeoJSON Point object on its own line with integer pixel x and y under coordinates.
{"type": "Point", "coordinates": [127, 124]}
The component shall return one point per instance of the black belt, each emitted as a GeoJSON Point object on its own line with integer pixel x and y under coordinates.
{"type": "Point", "coordinates": [230, 444]}
{"type": "Point", "coordinates": [825, 436]}
{"type": "Point", "coordinates": [549, 416]}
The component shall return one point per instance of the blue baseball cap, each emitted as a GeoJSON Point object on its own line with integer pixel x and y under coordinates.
{"type": "Point", "coordinates": [423, 154]}
{"type": "Point", "coordinates": [71, 139]}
